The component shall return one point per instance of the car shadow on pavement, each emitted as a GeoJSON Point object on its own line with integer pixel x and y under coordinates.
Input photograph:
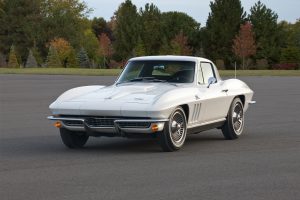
{"type": "Point", "coordinates": [48, 145]}
{"type": "Point", "coordinates": [125, 145]}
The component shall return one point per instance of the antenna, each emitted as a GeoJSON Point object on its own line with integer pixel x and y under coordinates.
{"type": "Point", "coordinates": [235, 70]}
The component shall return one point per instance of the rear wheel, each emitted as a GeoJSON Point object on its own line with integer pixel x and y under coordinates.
{"type": "Point", "coordinates": [173, 136]}
{"type": "Point", "coordinates": [234, 124]}
{"type": "Point", "coordinates": [73, 139]}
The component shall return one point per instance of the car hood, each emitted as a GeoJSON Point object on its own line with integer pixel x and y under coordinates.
{"type": "Point", "coordinates": [126, 93]}
{"type": "Point", "coordinates": [128, 99]}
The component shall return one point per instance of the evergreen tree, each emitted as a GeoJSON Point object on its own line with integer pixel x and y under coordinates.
{"type": "Point", "coordinates": [267, 32]}
{"type": "Point", "coordinates": [37, 55]}
{"type": "Point", "coordinates": [291, 33]}
{"type": "Point", "coordinates": [151, 31]}
{"type": "Point", "coordinates": [290, 52]}
{"type": "Point", "coordinates": [83, 58]}
{"type": "Point", "coordinates": [20, 25]}
{"type": "Point", "coordinates": [12, 59]}
{"type": "Point", "coordinates": [127, 30]}
{"type": "Point", "coordinates": [99, 26]}
{"type": "Point", "coordinates": [290, 55]}
{"type": "Point", "coordinates": [295, 35]}
{"type": "Point", "coordinates": [72, 61]}
{"type": "Point", "coordinates": [165, 48]}
{"type": "Point", "coordinates": [222, 25]}
{"type": "Point", "coordinates": [175, 22]}
{"type": "Point", "coordinates": [31, 61]}
{"type": "Point", "coordinates": [140, 48]}
{"type": "Point", "coordinates": [53, 60]}
{"type": "Point", "coordinates": [1, 9]}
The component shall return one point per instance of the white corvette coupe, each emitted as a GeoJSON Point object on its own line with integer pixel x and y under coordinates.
{"type": "Point", "coordinates": [166, 97]}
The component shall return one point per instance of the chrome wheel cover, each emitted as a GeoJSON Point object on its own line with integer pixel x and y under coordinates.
{"type": "Point", "coordinates": [238, 118]}
{"type": "Point", "coordinates": [177, 128]}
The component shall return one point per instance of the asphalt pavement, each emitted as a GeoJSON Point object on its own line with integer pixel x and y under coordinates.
{"type": "Point", "coordinates": [264, 163]}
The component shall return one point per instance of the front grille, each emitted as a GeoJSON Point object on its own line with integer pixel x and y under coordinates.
{"type": "Point", "coordinates": [106, 122]}
{"type": "Point", "coordinates": [73, 123]}
{"type": "Point", "coordinates": [134, 124]}
{"type": "Point", "coordinates": [100, 122]}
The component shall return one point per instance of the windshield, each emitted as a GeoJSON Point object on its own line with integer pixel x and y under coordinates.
{"type": "Point", "coordinates": [159, 71]}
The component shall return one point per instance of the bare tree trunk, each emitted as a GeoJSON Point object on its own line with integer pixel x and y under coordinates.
{"type": "Point", "coordinates": [104, 62]}
{"type": "Point", "coordinates": [243, 62]}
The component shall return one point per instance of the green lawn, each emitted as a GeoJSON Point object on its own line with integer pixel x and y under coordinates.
{"type": "Point", "coordinates": [62, 71]}
{"type": "Point", "coordinates": [261, 73]}
{"type": "Point", "coordinates": [115, 72]}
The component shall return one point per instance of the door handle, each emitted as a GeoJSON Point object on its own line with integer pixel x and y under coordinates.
{"type": "Point", "coordinates": [225, 90]}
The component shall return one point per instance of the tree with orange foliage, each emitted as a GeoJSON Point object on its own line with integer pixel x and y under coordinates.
{"type": "Point", "coordinates": [180, 45]}
{"type": "Point", "coordinates": [65, 52]}
{"type": "Point", "coordinates": [106, 49]}
{"type": "Point", "coordinates": [244, 43]}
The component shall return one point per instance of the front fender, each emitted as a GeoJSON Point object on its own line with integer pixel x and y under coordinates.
{"type": "Point", "coordinates": [163, 106]}
{"type": "Point", "coordinates": [237, 88]}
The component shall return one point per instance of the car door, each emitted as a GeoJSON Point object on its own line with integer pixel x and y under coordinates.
{"type": "Point", "coordinates": [213, 97]}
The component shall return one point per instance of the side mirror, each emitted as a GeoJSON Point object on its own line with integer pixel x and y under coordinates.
{"type": "Point", "coordinates": [211, 80]}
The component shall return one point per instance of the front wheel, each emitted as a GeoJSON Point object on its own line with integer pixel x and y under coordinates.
{"type": "Point", "coordinates": [234, 124]}
{"type": "Point", "coordinates": [73, 139]}
{"type": "Point", "coordinates": [173, 136]}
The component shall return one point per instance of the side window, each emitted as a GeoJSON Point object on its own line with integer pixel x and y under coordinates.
{"type": "Point", "coordinates": [207, 72]}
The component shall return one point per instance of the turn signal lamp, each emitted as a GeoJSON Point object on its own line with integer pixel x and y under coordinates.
{"type": "Point", "coordinates": [58, 124]}
{"type": "Point", "coordinates": [154, 128]}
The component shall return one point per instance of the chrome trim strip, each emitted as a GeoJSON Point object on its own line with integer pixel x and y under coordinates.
{"type": "Point", "coordinates": [207, 123]}
{"type": "Point", "coordinates": [251, 102]}
{"type": "Point", "coordinates": [64, 118]}
{"type": "Point", "coordinates": [141, 120]}
{"type": "Point", "coordinates": [114, 129]}
{"type": "Point", "coordinates": [117, 120]}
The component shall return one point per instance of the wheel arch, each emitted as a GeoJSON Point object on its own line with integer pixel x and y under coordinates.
{"type": "Point", "coordinates": [242, 97]}
{"type": "Point", "coordinates": [186, 110]}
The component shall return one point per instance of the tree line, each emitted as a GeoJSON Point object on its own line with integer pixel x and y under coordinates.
{"type": "Point", "coordinates": [56, 33]}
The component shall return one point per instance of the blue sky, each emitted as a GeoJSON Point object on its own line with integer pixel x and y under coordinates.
{"type": "Point", "coordinates": [288, 10]}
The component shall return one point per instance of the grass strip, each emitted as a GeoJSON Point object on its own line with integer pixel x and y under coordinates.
{"type": "Point", "coordinates": [116, 72]}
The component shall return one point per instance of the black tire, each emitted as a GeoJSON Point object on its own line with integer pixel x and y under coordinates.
{"type": "Point", "coordinates": [173, 136]}
{"type": "Point", "coordinates": [72, 139]}
{"type": "Point", "coordinates": [234, 124]}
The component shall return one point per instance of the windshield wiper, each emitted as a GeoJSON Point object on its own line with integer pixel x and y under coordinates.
{"type": "Point", "coordinates": [137, 79]}
{"type": "Point", "coordinates": [157, 80]}
{"type": "Point", "coordinates": [141, 79]}
{"type": "Point", "coordinates": [148, 79]}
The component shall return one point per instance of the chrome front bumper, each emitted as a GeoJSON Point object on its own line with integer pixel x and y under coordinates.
{"type": "Point", "coordinates": [252, 102]}
{"type": "Point", "coordinates": [81, 124]}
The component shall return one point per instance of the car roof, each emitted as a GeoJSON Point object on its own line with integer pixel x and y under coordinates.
{"type": "Point", "coordinates": [171, 58]}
